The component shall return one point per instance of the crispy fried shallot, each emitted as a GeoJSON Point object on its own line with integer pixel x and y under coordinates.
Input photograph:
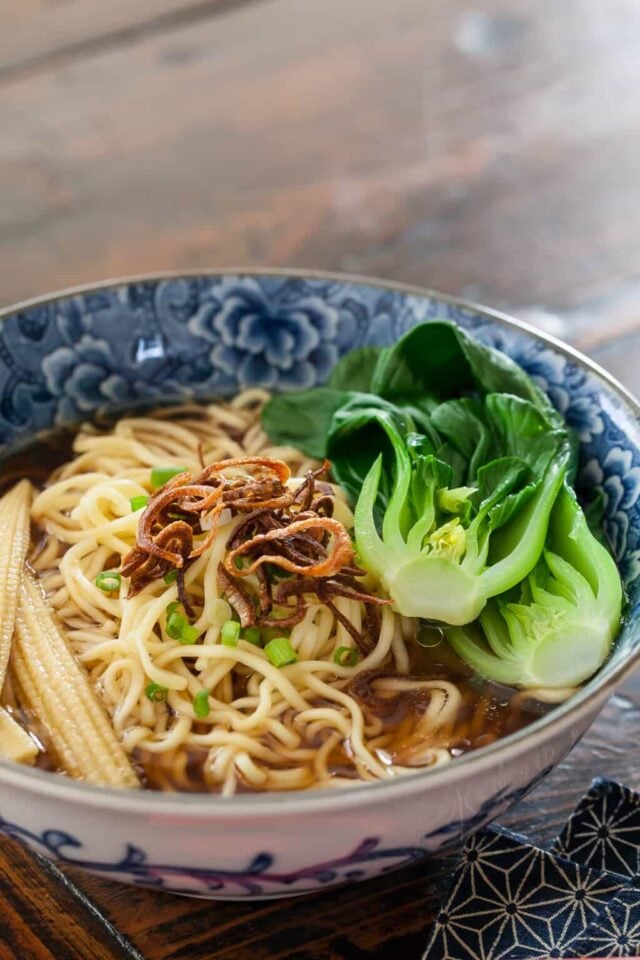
{"type": "Point", "coordinates": [341, 551]}
{"type": "Point", "coordinates": [287, 549]}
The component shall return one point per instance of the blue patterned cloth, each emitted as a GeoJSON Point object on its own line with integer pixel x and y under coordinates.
{"type": "Point", "coordinates": [511, 900]}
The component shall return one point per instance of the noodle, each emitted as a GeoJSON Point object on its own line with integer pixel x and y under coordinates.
{"type": "Point", "coordinates": [266, 728]}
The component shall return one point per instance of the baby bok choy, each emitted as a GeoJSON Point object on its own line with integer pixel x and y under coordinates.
{"type": "Point", "coordinates": [441, 547]}
{"type": "Point", "coordinates": [556, 628]}
{"type": "Point", "coordinates": [460, 471]}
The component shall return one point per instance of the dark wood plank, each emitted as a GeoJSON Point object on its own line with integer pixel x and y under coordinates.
{"type": "Point", "coordinates": [486, 149]}
{"type": "Point", "coordinates": [38, 34]}
{"type": "Point", "coordinates": [44, 916]}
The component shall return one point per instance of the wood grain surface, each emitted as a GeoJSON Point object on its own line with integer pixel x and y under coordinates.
{"type": "Point", "coordinates": [45, 917]}
{"type": "Point", "coordinates": [37, 35]}
{"type": "Point", "coordinates": [488, 148]}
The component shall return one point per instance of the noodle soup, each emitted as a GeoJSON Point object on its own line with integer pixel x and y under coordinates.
{"type": "Point", "coordinates": [340, 714]}
{"type": "Point", "coordinates": [309, 590]}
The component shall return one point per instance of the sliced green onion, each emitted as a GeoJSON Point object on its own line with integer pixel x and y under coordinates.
{"type": "Point", "coordinates": [156, 692]}
{"type": "Point", "coordinates": [137, 503]}
{"type": "Point", "coordinates": [252, 635]}
{"type": "Point", "coordinates": [229, 633]}
{"type": "Point", "coordinates": [176, 623]}
{"type": "Point", "coordinates": [429, 636]}
{"type": "Point", "coordinates": [178, 627]}
{"type": "Point", "coordinates": [346, 656]}
{"type": "Point", "coordinates": [170, 577]}
{"type": "Point", "coordinates": [238, 562]}
{"type": "Point", "coordinates": [161, 475]}
{"type": "Point", "coordinates": [189, 634]}
{"type": "Point", "coordinates": [280, 652]}
{"type": "Point", "coordinates": [201, 704]}
{"type": "Point", "coordinates": [109, 581]}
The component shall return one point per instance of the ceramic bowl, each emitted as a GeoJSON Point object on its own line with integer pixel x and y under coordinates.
{"type": "Point", "coordinates": [122, 345]}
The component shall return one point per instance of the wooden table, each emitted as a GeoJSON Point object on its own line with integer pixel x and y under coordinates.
{"type": "Point", "coordinates": [488, 148]}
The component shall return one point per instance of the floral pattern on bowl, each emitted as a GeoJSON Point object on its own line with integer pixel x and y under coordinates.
{"type": "Point", "coordinates": [104, 350]}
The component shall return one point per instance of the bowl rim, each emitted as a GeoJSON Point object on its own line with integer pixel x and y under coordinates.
{"type": "Point", "coordinates": [285, 803]}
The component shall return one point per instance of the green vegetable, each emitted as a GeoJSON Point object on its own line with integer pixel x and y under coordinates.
{"type": "Point", "coordinates": [355, 370]}
{"type": "Point", "coordinates": [229, 633]}
{"type": "Point", "coordinates": [432, 363]}
{"type": "Point", "coordinates": [557, 627]}
{"type": "Point", "coordinates": [156, 692]}
{"type": "Point", "coordinates": [252, 635]}
{"type": "Point", "coordinates": [175, 624]}
{"type": "Point", "coordinates": [441, 360]}
{"type": "Point", "coordinates": [302, 419]}
{"type": "Point", "coordinates": [178, 627]}
{"type": "Point", "coordinates": [460, 470]}
{"type": "Point", "coordinates": [160, 475]}
{"type": "Point", "coordinates": [137, 503]}
{"type": "Point", "coordinates": [109, 581]}
{"type": "Point", "coordinates": [280, 652]}
{"type": "Point", "coordinates": [170, 577]}
{"type": "Point", "coordinates": [429, 636]}
{"type": "Point", "coordinates": [346, 656]}
{"type": "Point", "coordinates": [440, 550]}
{"type": "Point", "coordinates": [189, 634]}
{"type": "Point", "coordinates": [201, 704]}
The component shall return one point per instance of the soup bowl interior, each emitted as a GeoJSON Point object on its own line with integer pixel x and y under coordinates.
{"type": "Point", "coordinates": [94, 353]}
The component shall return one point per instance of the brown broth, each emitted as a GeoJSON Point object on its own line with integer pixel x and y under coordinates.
{"type": "Point", "coordinates": [487, 713]}
{"type": "Point", "coordinates": [37, 461]}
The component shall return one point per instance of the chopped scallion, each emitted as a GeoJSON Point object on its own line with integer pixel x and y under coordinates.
{"type": "Point", "coordinates": [178, 627]}
{"type": "Point", "coordinates": [429, 636]}
{"type": "Point", "coordinates": [109, 581]}
{"type": "Point", "coordinates": [229, 633]}
{"type": "Point", "coordinates": [252, 635]}
{"type": "Point", "coordinates": [189, 634]}
{"type": "Point", "coordinates": [170, 577]}
{"type": "Point", "coordinates": [161, 475]}
{"type": "Point", "coordinates": [201, 704]}
{"type": "Point", "coordinates": [346, 657]}
{"type": "Point", "coordinates": [137, 503]}
{"type": "Point", "coordinates": [176, 622]}
{"type": "Point", "coordinates": [280, 652]}
{"type": "Point", "coordinates": [156, 692]}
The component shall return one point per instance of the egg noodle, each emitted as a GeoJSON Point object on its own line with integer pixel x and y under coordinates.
{"type": "Point", "coordinates": [267, 728]}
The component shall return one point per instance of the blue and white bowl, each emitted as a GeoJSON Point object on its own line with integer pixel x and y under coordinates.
{"type": "Point", "coordinates": [113, 347]}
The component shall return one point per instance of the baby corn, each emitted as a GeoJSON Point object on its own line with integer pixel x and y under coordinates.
{"type": "Point", "coordinates": [50, 682]}
{"type": "Point", "coordinates": [14, 542]}
{"type": "Point", "coordinates": [15, 742]}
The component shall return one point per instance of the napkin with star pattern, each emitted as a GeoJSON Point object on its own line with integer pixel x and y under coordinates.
{"type": "Point", "coordinates": [511, 900]}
